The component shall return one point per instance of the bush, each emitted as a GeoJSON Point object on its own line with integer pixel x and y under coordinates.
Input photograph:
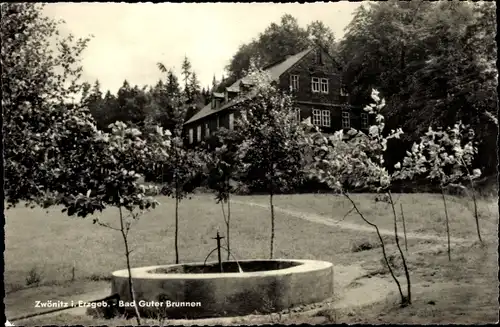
{"type": "Point", "coordinates": [34, 277]}
{"type": "Point", "coordinates": [364, 246]}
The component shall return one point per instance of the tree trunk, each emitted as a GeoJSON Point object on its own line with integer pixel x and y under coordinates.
{"type": "Point", "coordinates": [227, 225]}
{"type": "Point", "coordinates": [176, 229]}
{"type": "Point", "coordinates": [476, 215]}
{"type": "Point", "coordinates": [447, 223]}
{"type": "Point", "coordinates": [405, 266]}
{"type": "Point", "coordinates": [404, 226]}
{"type": "Point", "coordinates": [127, 256]}
{"type": "Point", "coordinates": [383, 247]}
{"type": "Point", "coordinates": [272, 223]}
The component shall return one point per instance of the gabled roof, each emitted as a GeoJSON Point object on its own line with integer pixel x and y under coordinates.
{"type": "Point", "coordinates": [275, 71]}
{"type": "Point", "coordinates": [231, 89]}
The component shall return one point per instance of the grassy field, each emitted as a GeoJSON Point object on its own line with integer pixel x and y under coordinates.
{"type": "Point", "coordinates": [59, 255]}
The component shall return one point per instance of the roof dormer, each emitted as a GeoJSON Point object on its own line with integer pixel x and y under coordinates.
{"type": "Point", "coordinates": [217, 99]}
{"type": "Point", "coordinates": [231, 93]}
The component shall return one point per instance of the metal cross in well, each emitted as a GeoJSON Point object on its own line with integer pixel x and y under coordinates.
{"type": "Point", "coordinates": [218, 238]}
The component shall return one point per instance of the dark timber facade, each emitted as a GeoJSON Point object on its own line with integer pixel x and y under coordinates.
{"type": "Point", "coordinates": [315, 80]}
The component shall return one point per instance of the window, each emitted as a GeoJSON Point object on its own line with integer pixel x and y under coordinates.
{"type": "Point", "coordinates": [296, 116]}
{"type": "Point", "coordinates": [364, 120]}
{"type": "Point", "coordinates": [325, 118]}
{"type": "Point", "coordinates": [294, 83]}
{"type": "Point", "coordinates": [321, 117]}
{"type": "Point", "coordinates": [319, 57]}
{"type": "Point", "coordinates": [324, 85]}
{"type": "Point", "coordinates": [198, 133]}
{"type": "Point", "coordinates": [190, 136]}
{"type": "Point", "coordinates": [343, 92]}
{"type": "Point", "coordinates": [346, 119]}
{"type": "Point", "coordinates": [231, 121]}
{"type": "Point", "coordinates": [315, 86]}
{"type": "Point", "coordinates": [218, 122]}
{"type": "Point", "coordinates": [207, 130]}
{"type": "Point", "coordinates": [319, 85]}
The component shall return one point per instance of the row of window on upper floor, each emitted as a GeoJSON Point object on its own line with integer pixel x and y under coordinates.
{"type": "Point", "coordinates": [318, 85]}
{"type": "Point", "coordinates": [321, 118]}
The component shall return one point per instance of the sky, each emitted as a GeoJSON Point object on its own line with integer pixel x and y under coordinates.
{"type": "Point", "coordinates": [130, 39]}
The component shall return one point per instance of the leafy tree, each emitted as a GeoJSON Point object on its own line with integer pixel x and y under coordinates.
{"type": "Point", "coordinates": [176, 176]}
{"type": "Point", "coordinates": [110, 113]}
{"type": "Point", "coordinates": [444, 157]}
{"type": "Point", "coordinates": [223, 168]}
{"type": "Point", "coordinates": [156, 109]}
{"type": "Point", "coordinates": [53, 150]}
{"type": "Point", "coordinates": [271, 151]}
{"type": "Point", "coordinates": [322, 35]}
{"type": "Point", "coordinates": [178, 172]}
{"type": "Point", "coordinates": [287, 38]}
{"type": "Point", "coordinates": [35, 83]}
{"type": "Point", "coordinates": [133, 103]}
{"type": "Point", "coordinates": [55, 155]}
{"type": "Point", "coordinates": [95, 102]}
{"type": "Point", "coordinates": [28, 59]}
{"type": "Point", "coordinates": [355, 161]}
{"type": "Point", "coordinates": [276, 42]}
{"type": "Point", "coordinates": [125, 154]}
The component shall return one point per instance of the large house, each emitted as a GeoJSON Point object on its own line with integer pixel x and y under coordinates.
{"type": "Point", "coordinates": [314, 78]}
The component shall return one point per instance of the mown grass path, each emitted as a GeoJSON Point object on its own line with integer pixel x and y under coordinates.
{"type": "Point", "coordinates": [346, 225]}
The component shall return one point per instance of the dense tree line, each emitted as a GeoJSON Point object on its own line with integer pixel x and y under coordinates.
{"type": "Point", "coordinates": [140, 106]}
{"type": "Point", "coordinates": [434, 63]}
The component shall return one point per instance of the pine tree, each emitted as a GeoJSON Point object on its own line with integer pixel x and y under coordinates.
{"type": "Point", "coordinates": [214, 85]}
{"type": "Point", "coordinates": [94, 102]}
{"type": "Point", "coordinates": [173, 87]}
{"type": "Point", "coordinates": [194, 86]}
{"type": "Point", "coordinates": [186, 74]}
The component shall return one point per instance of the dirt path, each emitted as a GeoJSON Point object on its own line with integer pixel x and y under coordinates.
{"type": "Point", "coordinates": [346, 225]}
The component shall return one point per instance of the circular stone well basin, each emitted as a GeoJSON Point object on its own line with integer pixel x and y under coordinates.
{"type": "Point", "coordinates": [196, 290]}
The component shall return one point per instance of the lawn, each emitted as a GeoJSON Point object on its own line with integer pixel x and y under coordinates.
{"type": "Point", "coordinates": [72, 255]}
{"type": "Point", "coordinates": [422, 212]}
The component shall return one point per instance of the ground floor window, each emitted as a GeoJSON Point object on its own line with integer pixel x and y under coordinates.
{"type": "Point", "coordinates": [190, 136]}
{"type": "Point", "coordinates": [296, 114]}
{"type": "Point", "coordinates": [346, 119]}
{"type": "Point", "coordinates": [321, 117]}
{"type": "Point", "coordinates": [364, 120]}
{"type": "Point", "coordinates": [231, 121]}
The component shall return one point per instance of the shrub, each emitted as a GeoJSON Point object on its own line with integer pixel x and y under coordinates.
{"type": "Point", "coordinates": [363, 246]}
{"type": "Point", "coordinates": [34, 277]}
